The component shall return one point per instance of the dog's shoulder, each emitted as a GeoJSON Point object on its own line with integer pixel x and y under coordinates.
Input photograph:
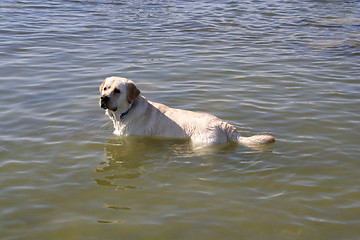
{"type": "Point", "coordinates": [159, 106]}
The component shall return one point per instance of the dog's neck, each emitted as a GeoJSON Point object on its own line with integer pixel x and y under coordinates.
{"type": "Point", "coordinates": [119, 116]}
{"type": "Point", "coordinates": [123, 117]}
{"type": "Point", "coordinates": [123, 114]}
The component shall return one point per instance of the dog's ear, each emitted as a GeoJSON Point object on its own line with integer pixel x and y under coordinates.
{"type": "Point", "coordinates": [132, 92]}
{"type": "Point", "coordinates": [102, 85]}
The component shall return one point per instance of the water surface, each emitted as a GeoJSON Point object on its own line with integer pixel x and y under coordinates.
{"type": "Point", "coordinates": [288, 68]}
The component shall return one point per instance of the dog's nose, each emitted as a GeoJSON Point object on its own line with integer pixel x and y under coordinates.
{"type": "Point", "coordinates": [104, 98]}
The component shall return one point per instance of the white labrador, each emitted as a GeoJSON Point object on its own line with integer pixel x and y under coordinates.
{"type": "Point", "coordinates": [133, 114]}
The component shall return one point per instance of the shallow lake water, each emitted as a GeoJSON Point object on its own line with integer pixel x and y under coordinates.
{"type": "Point", "coordinates": [287, 68]}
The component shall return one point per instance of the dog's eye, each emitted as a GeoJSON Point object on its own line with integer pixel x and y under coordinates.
{"type": "Point", "coordinates": [105, 88]}
{"type": "Point", "coordinates": [116, 90]}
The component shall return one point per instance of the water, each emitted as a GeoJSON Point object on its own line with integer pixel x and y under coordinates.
{"type": "Point", "coordinates": [288, 68]}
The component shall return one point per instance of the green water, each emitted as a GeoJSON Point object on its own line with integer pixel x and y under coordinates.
{"type": "Point", "coordinates": [287, 68]}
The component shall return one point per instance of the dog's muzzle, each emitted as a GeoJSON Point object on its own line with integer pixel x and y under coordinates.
{"type": "Point", "coordinates": [104, 101]}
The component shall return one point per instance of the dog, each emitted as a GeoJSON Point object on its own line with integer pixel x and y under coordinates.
{"type": "Point", "coordinates": [133, 114]}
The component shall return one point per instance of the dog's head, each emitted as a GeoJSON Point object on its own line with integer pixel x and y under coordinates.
{"type": "Point", "coordinates": [117, 93]}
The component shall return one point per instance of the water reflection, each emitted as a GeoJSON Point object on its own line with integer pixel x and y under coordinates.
{"type": "Point", "coordinates": [128, 157]}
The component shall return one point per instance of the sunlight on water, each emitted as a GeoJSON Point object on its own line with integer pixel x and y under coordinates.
{"type": "Point", "coordinates": [286, 68]}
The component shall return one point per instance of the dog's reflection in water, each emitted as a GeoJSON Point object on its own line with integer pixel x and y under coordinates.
{"type": "Point", "coordinates": [128, 157]}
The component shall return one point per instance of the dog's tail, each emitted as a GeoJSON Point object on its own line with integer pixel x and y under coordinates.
{"type": "Point", "coordinates": [256, 140]}
{"type": "Point", "coordinates": [253, 141]}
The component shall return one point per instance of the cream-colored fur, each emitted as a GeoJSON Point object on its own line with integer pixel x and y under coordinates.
{"type": "Point", "coordinates": [133, 114]}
